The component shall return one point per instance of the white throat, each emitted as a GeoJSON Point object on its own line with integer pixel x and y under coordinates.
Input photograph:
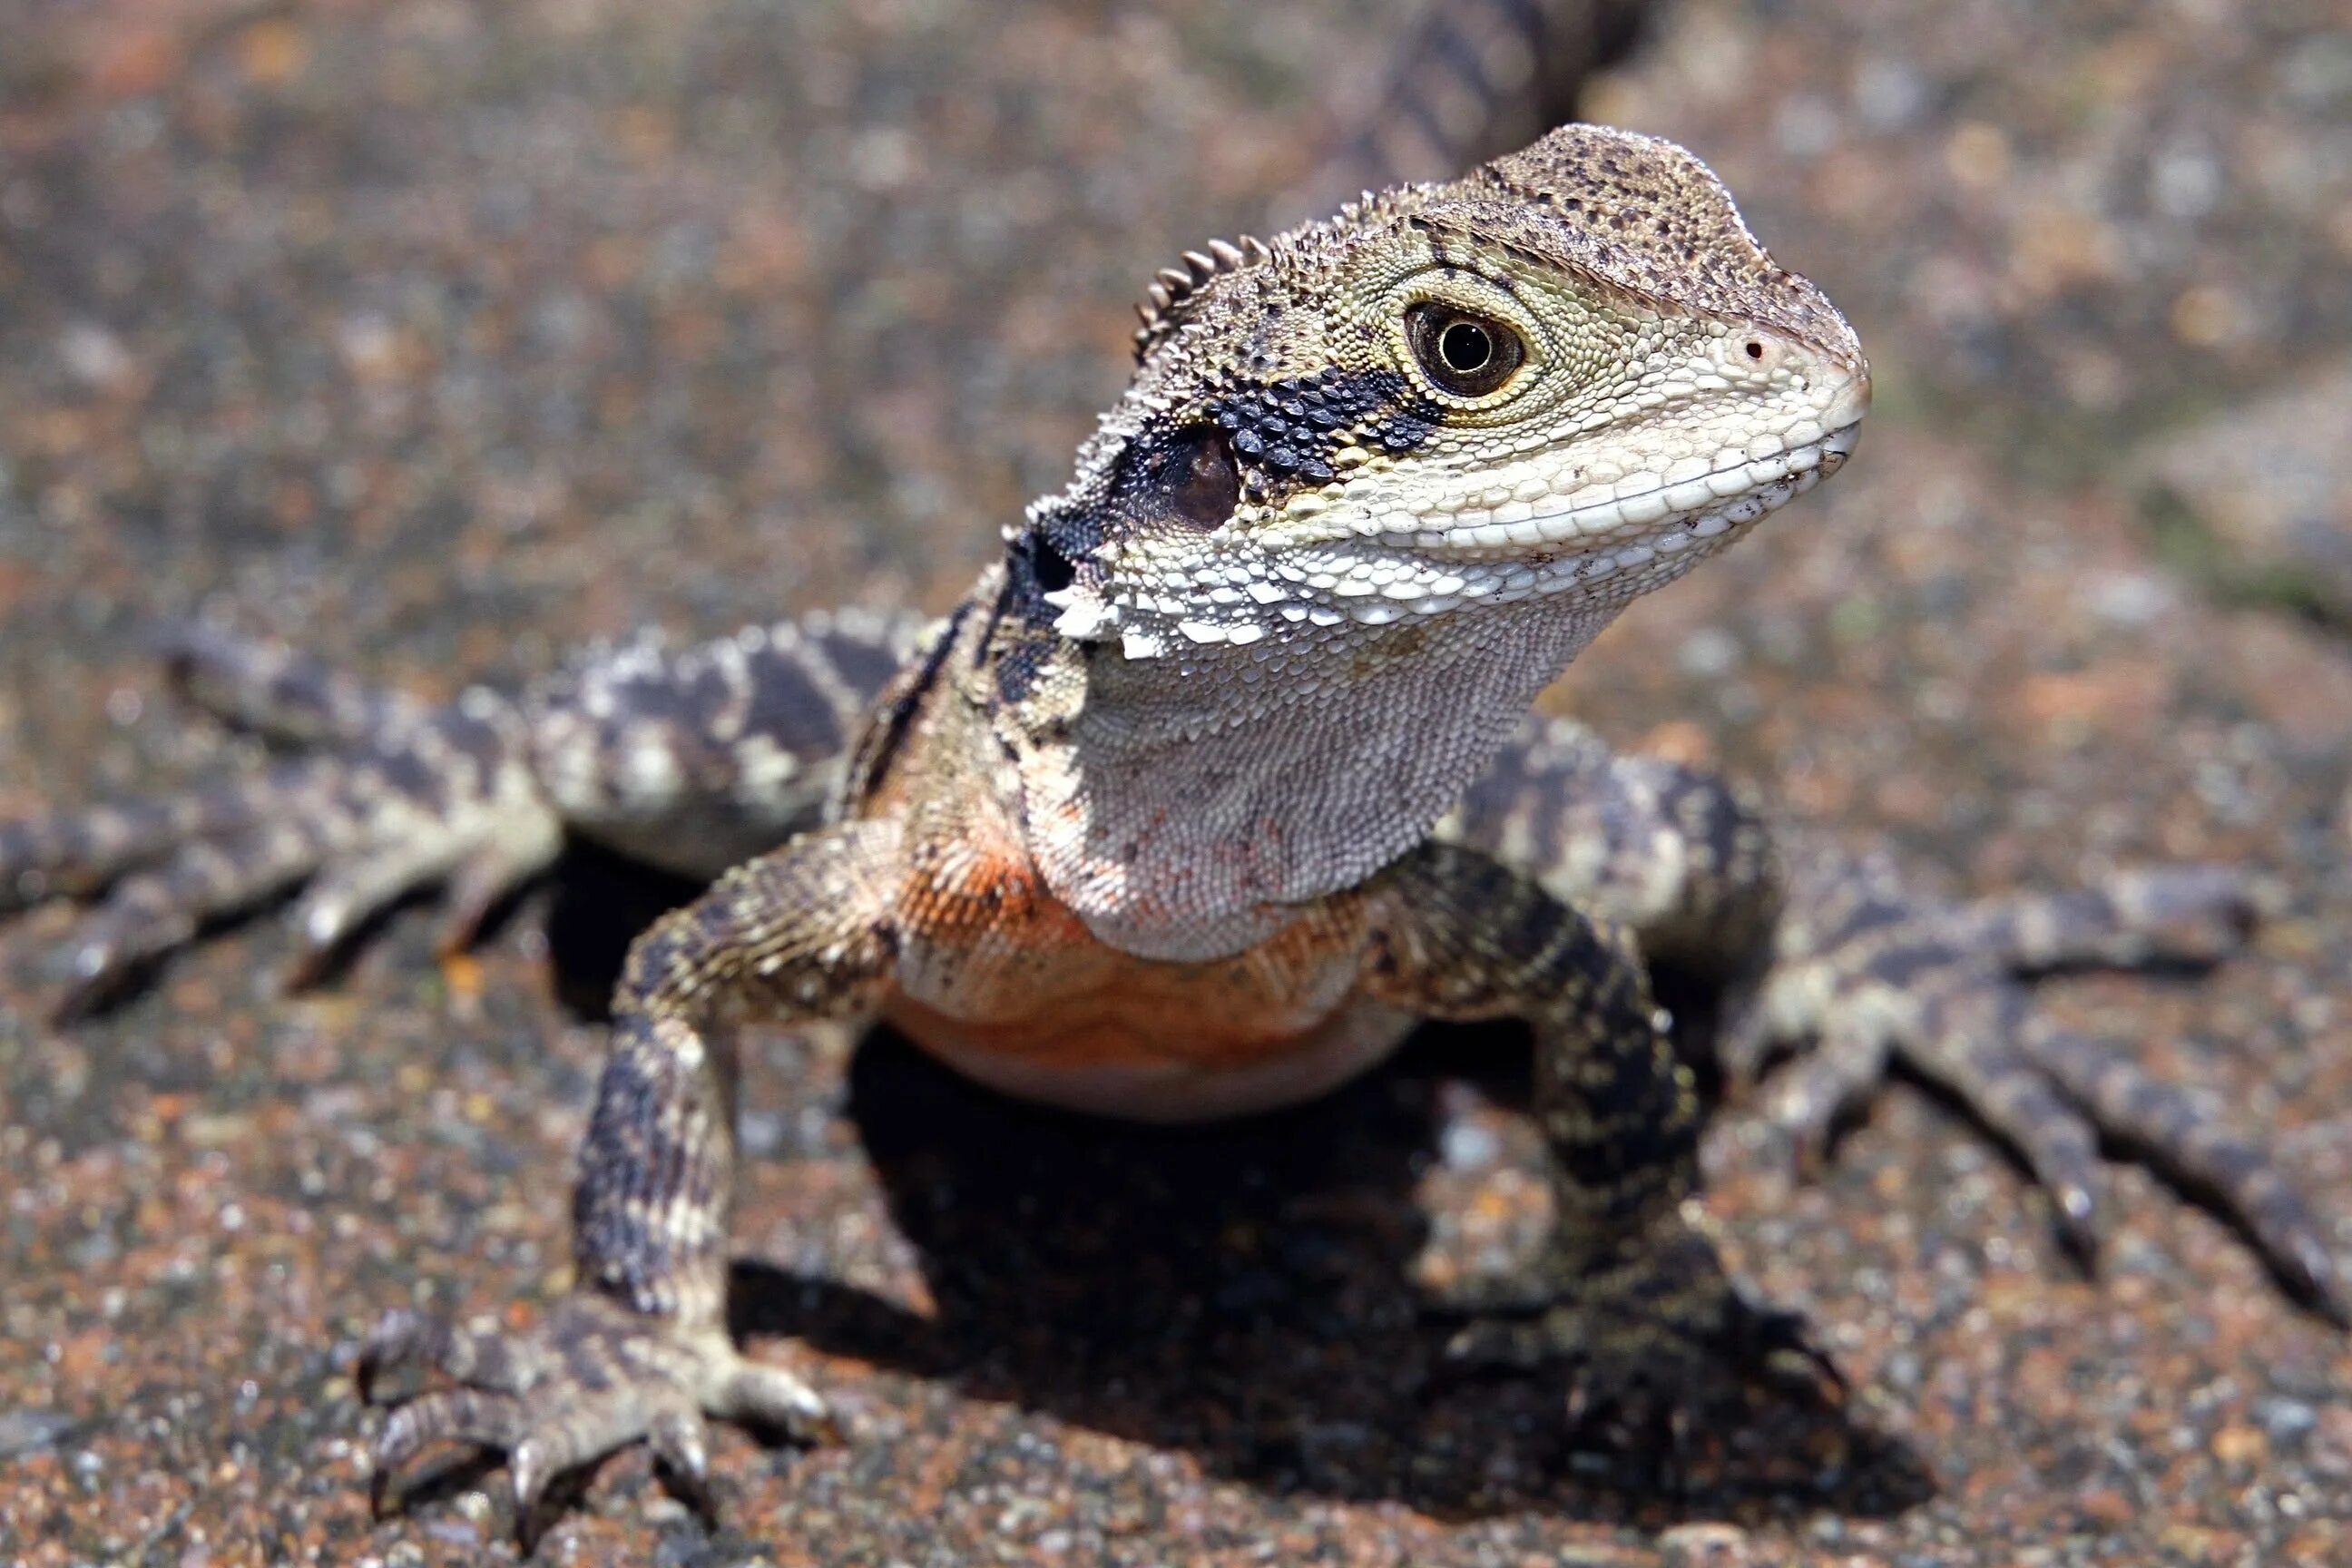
{"type": "Point", "coordinates": [1181, 806]}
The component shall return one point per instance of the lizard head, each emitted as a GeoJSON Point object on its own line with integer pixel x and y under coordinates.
{"type": "Point", "coordinates": [1567, 377]}
{"type": "Point", "coordinates": [1373, 486]}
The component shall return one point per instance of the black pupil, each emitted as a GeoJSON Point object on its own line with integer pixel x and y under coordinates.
{"type": "Point", "coordinates": [1465, 347]}
{"type": "Point", "coordinates": [1467, 353]}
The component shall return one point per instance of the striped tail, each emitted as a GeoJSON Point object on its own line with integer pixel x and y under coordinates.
{"type": "Point", "coordinates": [1473, 80]}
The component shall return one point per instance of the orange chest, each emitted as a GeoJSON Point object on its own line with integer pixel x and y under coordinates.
{"type": "Point", "coordinates": [1003, 982]}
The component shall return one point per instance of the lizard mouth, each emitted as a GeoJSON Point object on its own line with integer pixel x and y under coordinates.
{"type": "Point", "coordinates": [1632, 522]}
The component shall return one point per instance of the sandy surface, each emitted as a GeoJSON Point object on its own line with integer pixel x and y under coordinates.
{"type": "Point", "coordinates": [444, 339]}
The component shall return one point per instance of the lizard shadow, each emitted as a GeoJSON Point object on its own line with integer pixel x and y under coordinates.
{"type": "Point", "coordinates": [1243, 1291]}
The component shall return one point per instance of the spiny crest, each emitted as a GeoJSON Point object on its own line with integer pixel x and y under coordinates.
{"type": "Point", "coordinates": [1376, 204]}
{"type": "Point", "coordinates": [1162, 310]}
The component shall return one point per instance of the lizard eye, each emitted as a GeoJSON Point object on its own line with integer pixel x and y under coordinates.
{"type": "Point", "coordinates": [1465, 353]}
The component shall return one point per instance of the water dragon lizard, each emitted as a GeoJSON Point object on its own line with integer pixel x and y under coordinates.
{"type": "Point", "coordinates": [1211, 789]}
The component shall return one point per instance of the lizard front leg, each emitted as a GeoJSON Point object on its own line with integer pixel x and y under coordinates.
{"type": "Point", "coordinates": [1626, 1291]}
{"type": "Point", "coordinates": [640, 1349]}
{"type": "Point", "coordinates": [1844, 963]}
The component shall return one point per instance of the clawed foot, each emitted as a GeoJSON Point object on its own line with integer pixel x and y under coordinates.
{"type": "Point", "coordinates": [593, 1377]}
{"type": "Point", "coordinates": [1659, 1353]}
{"type": "Point", "coordinates": [1872, 975]}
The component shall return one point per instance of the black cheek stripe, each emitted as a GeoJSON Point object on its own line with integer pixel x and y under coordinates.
{"type": "Point", "coordinates": [1286, 432]}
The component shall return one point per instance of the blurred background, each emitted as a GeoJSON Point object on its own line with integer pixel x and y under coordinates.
{"type": "Point", "coordinates": [442, 339]}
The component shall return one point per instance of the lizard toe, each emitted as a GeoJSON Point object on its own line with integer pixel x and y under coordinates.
{"type": "Point", "coordinates": [479, 1417]}
{"type": "Point", "coordinates": [2197, 913]}
{"type": "Point", "coordinates": [1888, 977]}
{"type": "Point", "coordinates": [148, 915]}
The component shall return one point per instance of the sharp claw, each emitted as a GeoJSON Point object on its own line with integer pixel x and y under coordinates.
{"type": "Point", "coordinates": [1828, 1367]}
{"type": "Point", "coordinates": [317, 934]}
{"type": "Point", "coordinates": [524, 1469]}
{"type": "Point", "coordinates": [316, 948]}
{"type": "Point", "coordinates": [1779, 1346]}
{"type": "Point", "coordinates": [98, 968]}
{"type": "Point", "coordinates": [401, 1337]}
{"type": "Point", "coordinates": [381, 1346]}
{"type": "Point", "coordinates": [2314, 1276]}
{"type": "Point", "coordinates": [396, 1443]}
{"type": "Point", "coordinates": [1495, 1342]}
{"type": "Point", "coordinates": [471, 896]}
{"type": "Point", "coordinates": [1808, 1151]}
{"type": "Point", "coordinates": [677, 1443]}
{"type": "Point", "coordinates": [92, 959]}
{"type": "Point", "coordinates": [2078, 1222]}
{"type": "Point", "coordinates": [774, 1398]}
{"type": "Point", "coordinates": [1803, 1370]}
{"type": "Point", "coordinates": [826, 1426]}
{"type": "Point", "coordinates": [698, 1497]}
{"type": "Point", "coordinates": [300, 973]}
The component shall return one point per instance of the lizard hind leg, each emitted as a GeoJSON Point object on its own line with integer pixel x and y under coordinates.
{"type": "Point", "coordinates": [151, 912]}
{"type": "Point", "coordinates": [1940, 981]}
{"type": "Point", "coordinates": [692, 760]}
{"type": "Point", "coordinates": [254, 683]}
{"type": "Point", "coordinates": [450, 803]}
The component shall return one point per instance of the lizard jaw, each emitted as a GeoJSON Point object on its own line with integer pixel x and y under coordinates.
{"type": "Point", "coordinates": [1607, 552]}
{"type": "Point", "coordinates": [1669, 516]}
{"type": "Point", "coordinates": [1603, 553]}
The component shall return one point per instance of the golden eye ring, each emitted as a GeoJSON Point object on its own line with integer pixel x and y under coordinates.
{"type": "Point", "coordinates": [1464, 352]}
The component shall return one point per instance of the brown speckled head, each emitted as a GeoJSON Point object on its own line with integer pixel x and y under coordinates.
{"type": "Point", "coordinates": [1442, 437]}
{"type": "Point", "coordinates": [1646, 215]}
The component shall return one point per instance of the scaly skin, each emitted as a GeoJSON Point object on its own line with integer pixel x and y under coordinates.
{"type": "Point", "coordinates": [1208, 792]}
{"type": "Point", "coordinates": [1146, 828]}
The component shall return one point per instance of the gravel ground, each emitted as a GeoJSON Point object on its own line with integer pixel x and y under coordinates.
{"type": "Point", "coordinates": [444, 339]}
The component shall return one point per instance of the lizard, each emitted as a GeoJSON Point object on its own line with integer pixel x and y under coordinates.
{"type": "Point", "coordinates": [1209, 790]}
